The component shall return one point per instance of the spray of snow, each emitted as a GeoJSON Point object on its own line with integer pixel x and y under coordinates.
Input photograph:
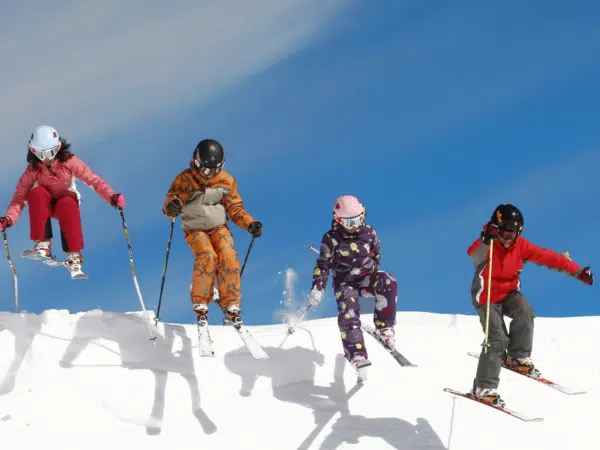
{"type": "Point", "coordinates": [292, 304]}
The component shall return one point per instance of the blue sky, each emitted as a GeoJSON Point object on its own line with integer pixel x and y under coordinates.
{"type": "Point", "coordinates": [432, 113]}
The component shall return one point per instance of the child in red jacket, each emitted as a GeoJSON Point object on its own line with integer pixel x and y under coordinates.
{"type": "Point", "coordinates": [511, 251]}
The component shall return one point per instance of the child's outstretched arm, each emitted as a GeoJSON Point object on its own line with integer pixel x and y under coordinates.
{"type": "Point", "coordinates": [83, 172]}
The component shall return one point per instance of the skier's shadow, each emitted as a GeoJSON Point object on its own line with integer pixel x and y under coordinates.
{"type": "Point", "coordinates": [397, 433]}
{"type": "Point", "coordinates": [292, 373]}
{"type": "Point", "coordinates": [24, 327]}
{"type": "Point", "coordinates": [137, 352]}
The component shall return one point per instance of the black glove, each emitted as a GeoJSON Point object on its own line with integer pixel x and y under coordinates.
{"type": "Point", "coordinates": [4, 223]}
{"type": "Point", "coordinates": [173, 208]}
{"type": "Point", "coordinates": [585, 275]}
{"type": "Point", "coordinates": [490, 232]}
{"type": "Point", "coordinates": [255, 228]}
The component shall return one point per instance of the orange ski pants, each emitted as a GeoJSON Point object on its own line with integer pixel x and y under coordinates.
{"type": "Point", "coordinates": [214, 255]}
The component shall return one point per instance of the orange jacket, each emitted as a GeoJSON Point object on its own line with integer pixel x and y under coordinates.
{"type": "Point", "coordinates": [507, 265]}
{"type": "Point", "coordinates": [206, 200]}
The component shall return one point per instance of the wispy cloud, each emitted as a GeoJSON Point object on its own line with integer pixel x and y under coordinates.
{"type": "Point", "coordinates": [94, 68]}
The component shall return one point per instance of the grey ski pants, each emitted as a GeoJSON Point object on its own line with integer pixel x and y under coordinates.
{"type": "Point", "coordinates": [517, 343]}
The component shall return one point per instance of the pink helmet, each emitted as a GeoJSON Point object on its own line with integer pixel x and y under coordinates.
{"type": "Point", "coordinates": [349, 211]}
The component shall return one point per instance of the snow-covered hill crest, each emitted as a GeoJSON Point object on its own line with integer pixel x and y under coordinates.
{"type": "Point", "coordinates": [94, 380]}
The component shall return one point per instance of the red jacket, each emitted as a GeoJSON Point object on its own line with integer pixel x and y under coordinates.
{"type": "Point", "coordinates": [507, 265]}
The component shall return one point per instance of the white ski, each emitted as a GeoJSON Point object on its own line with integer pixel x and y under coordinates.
{"type": "Point", "coordinates": [252, 345]}
{"type": "Point", "coordinates": [204, 341]}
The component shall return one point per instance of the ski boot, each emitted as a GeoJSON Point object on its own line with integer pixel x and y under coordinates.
{"type": "Point", "coordinates": [360, 364]}
{"type": "Point", "coordinates": [43, 248]}
{"type": "Point", "coordinates": [523, 365]}
{"type": "Point", "coordinates": [490, 396]}
{"type": "Point", "coordinates": [74, 262]}
{"type": "Point", "coordinates": [387, 336]}
{"type": "Point", "coordinates": [233, 315]}
{"type": "Point", "coordinates": [204, 340]}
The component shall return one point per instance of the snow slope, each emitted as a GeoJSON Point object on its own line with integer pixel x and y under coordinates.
{"type": "Point", "coordinates": [95, 381]}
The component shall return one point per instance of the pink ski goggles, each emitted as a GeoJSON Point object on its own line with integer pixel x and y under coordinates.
{"type": "Point", "coordinates": [351, 222]}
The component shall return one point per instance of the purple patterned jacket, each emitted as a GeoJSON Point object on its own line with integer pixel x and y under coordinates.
{"type": "Point", "coordinates": [349, 256]}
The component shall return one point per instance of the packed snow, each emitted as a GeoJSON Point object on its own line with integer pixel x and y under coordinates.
{"type": "Point", "coordinates": [95, 380]}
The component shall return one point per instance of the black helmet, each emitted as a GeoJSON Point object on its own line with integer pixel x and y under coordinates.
{"type": "Point", "coordinates": [508, 217]}
{"type": "Point", "coordinates": [209, 157]}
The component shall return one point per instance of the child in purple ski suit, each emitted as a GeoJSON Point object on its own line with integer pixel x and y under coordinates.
{"type": "Point", "coordinates": [350, 250]}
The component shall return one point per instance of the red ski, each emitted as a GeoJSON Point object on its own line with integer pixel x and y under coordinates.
{"type": "Point", "coordinates": [547, 382]}
{"type": "Point", "coordinates": [510, 412]}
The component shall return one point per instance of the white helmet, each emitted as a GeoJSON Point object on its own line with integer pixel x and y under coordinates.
{"type": "Point", "coordinates": [44, 143]}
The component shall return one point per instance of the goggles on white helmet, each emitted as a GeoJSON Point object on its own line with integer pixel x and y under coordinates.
{"type": "Point", "coordinates": [351, 222]}
{"type": "Point", "coordinates": [46, 155]}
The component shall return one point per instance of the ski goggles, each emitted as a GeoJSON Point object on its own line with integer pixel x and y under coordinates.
{"type": "Point", "coordinates": [507, 234]}
{"type": "Point", "coordinates": [46, 155]}
{"type": "Point", "coordinates": [351, 222]}
{"type": "Point", "coordinates": [208, 172]}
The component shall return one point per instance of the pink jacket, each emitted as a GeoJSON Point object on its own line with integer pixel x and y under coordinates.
{"type": "Point", "coordinates": [59, 180]}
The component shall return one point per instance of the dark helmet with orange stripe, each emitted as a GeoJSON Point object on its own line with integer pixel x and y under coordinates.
{"type": "Point", "coordinates": [509, 218]}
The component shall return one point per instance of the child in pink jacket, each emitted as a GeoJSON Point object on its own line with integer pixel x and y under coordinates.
{"type": "Point", "coordinates": [48, 186]}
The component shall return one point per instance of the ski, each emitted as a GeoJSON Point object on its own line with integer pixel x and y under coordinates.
{"type": "Point", "coordinates": [49, 261]}
{"type": "Point", "coordinates": [399, 357]}
{"type": "Point", "coordinates": [204, 340]}
{"type": "Point", "coordinates": [52, 262]}
{"type": "Point", "coordinates": [545, 381]}
{"type": "Point", "coordinates": [251, 344]}
{"type": "Point", "coordinates": [510, 412]}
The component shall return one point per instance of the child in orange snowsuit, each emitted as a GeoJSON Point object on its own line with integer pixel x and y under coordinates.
{"type": "Point", "coordinates": [206, 197]}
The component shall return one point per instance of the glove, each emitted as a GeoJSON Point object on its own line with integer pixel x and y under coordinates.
{"type": "Point", "coordinates": [174, 208]}
{"type": "Point", "coordinates": [4, 223]}
{"type": "Point", "coordinates": [315, 297]}
{"type": "Point", "coordinates": [489, 232]}
{"type": "Point", "coordinates": [585, 275]}
{"type": "Point", "coordinates": [118, 201]}
{"type": "Point", "coordinates": [255, 228]}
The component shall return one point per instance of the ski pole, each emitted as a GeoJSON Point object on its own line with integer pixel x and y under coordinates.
{"type": "Point", "coordinates": [247, 254]}
{"type": "Point", "coordinates": [164, 274]}
{"type": "Point", "coordinates": [137, 286]}
{"type": "Point", "coordinates": [489, 294]}
{"type": "Point", "coordinates": [292, 329]}
{"type": "Point", "coordinates": [14, 272]}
